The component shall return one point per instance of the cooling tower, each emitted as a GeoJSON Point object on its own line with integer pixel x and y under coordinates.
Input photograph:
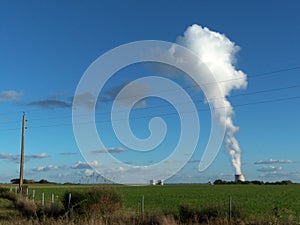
{"type": "Point", "coordinates": [239, 177]}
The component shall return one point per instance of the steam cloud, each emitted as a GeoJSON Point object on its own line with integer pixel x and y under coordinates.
{"type": "Point", "coordinates": [217, 52]}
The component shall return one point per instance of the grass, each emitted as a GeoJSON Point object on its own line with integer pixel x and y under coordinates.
{"type": "Point", "coordinates": [6, 209]}
{"type": "Point", "coordinates": [253, 201]}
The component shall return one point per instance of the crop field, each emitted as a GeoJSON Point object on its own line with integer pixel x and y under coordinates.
{"type": "Point", "coordinates": [253, 201]}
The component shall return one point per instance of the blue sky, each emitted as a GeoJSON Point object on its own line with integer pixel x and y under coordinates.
{"type": "Point", "coordinates": [45, 48]}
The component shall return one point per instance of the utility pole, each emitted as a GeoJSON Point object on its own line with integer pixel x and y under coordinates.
{"type": "Point", "coordinates": [22, 153]}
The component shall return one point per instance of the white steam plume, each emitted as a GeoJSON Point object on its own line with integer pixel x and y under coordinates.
{"type": "Point", "coordinates": [217, 52]}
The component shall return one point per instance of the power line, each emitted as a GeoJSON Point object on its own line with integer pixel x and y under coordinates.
{"type": "Point", "coordinates": [270, 73]}
{"type": "Point", "coordinates": [275, 72]}
{"type": "Point", "coordinates": [175, 113]}
{"type": "Point", "coordinates": [165, 105]}
{"type": "Point", "coordinates": [196, 101]}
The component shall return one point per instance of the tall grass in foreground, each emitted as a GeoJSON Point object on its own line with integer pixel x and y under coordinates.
{"type": "Point", "coordinates": [105, 205]}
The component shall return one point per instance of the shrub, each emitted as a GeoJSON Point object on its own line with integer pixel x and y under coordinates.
{"type": "Point", "coordinates": [5, 193]}
{"type": "Point", "coordinates": [102, 201]}
{"type": "Point", "coordinates": [3, 190]}
{"type": "Point", "coordinates": [192, 214]}
{"type": "Point", "coordinates": [54, 210]}
{"type": "Point", "coordinates": [186, 213]}
{"type": "Point", "coordinates": [210, 212]}
{"type": "Point", "coordinates": [26, 207]}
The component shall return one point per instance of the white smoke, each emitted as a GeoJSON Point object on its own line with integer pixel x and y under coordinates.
{"type": "Point", "coordinates": [217, 52]}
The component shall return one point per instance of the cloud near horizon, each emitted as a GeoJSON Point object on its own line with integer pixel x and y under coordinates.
{"type": "Point", "coordinates": [272, 161]}
{"type": "Point", "coordinates": [47, 168]}
{"type": "Point", "coordinates": [88, 172]}
{"type": "Point", "coordinates": [269, 169]}
{"type": "Point", "coordinates": [281, 175]}
{"type": "Point", "coordinates": [86, 165]}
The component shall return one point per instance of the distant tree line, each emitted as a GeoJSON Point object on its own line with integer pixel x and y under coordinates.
{"type": "Point", "coordinates": [26, 181]}
{"type": "Point", "coordinates": [257, 182]}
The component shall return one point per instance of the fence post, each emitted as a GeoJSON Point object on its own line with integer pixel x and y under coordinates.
{"type": "Point", "coordinates": [33, 194]}
{"type": "Point", "coordinates": [52, 204]}
{"type": "Point", "coordinates": [230, 208]}
{"type": "Point", "coordinates": [69, 202]}
{"type": "Point", "coordinates": [43, 199]}
{"type": "Point", "coordinates": [143, 205]}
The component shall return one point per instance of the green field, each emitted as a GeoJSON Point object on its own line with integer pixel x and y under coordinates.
{"type": "Point", "coordinates": [254, 201]}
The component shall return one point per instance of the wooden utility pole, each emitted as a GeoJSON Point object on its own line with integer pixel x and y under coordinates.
{"type": "Point", "coordinates": [22, 153]}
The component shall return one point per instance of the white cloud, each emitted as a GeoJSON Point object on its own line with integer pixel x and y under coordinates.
{"type": "Point", "coordinates": [47, 168]}
{"type": "Point", "coordinates": [195, 161]}
{"type": "Point", "coordinates": [63, 175]}
{"type": "Point", "coordinates": [9, 95]}
{"type": "Point", "coordinates": [27, 157]}
{"type": "Point", "coordinates": [128, 94]}
{"type": "Point", "coordinates": [273, 174]}
{"type": "Point", "coordinates": [86, 165]}
{"type": "Point", "coordinates": [281, 175]}
{"type": "Point", "coordinates": [272, 161]}
{"type": "Point", "coordinates": [50, 104]}
{"type": "Point", "coordinates": [172, 161]}
{"type": "Point", "coordinates": [68, 153]}
{"type": "Point", "coordinates": [135, 169]}
{"type": "Point", "coordinates": [88, 172]}
{"type": "Point", "coordinates": [269, 169]}
{"type": "Point", "coordinates": [37, 156]}
{"type": "Point", "coordinates": [109, 150]}
{"type": "Point", "coordinates": [9, 156]}
{"type": "Point", "coordinates": [86, 99]}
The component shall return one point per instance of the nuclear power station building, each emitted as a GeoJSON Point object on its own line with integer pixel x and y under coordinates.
{"type": "Point", "coordinates": [156, 182]}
